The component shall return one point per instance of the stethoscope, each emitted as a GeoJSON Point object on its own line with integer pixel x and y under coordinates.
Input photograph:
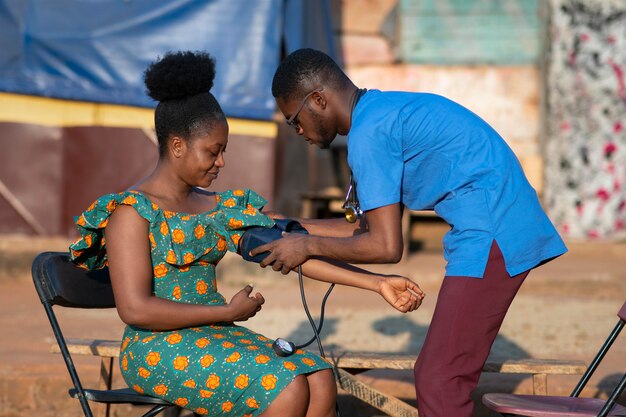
{"type": "Point", "coordinates": [351, 206]}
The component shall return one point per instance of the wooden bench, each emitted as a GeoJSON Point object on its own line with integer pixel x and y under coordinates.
{"type": "Point", "coordinates": [349, 364]}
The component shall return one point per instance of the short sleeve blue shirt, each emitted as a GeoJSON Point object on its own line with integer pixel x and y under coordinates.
{"type": "Point", "coordinates": [430, 153]}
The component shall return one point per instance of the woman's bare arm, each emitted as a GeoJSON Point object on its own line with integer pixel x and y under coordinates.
{"type": "Point", "coordinates": [400, 292]}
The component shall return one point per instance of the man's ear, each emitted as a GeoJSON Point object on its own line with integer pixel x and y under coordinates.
{"type": "Point", "coordinates": [319, 98]}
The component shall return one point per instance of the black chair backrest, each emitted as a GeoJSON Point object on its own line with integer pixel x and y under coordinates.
{"type": "Point", "coordinates": [60, 282]}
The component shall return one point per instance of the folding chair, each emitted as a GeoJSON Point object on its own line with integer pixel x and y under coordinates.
{"type": "Point", "coordinates": [572, 406]}
{"type": "Point", "coordinates": [59, 282]}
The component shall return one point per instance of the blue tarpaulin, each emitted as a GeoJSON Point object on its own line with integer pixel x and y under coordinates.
{"type": "Point", "coordinates": [97, 50]}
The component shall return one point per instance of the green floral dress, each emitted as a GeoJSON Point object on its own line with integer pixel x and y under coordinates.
{"type": "Point", "coordinates": [220, 369]}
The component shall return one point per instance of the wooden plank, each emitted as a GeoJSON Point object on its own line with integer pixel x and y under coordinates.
{"type": "Point", "coordinates": [540, 384]}
{"type": "Point", "coordinates": [363, 360]}
{"type": "Point", "coordinates": [383, 402]}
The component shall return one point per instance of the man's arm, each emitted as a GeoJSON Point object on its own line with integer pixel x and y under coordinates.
{"type": "Point", "coordinates": [381, 243]}
{"type": "Point", "coordinates": [338, 227]}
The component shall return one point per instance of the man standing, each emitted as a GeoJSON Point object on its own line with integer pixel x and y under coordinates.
{"type": "Point", "coordinates": [425, 152]}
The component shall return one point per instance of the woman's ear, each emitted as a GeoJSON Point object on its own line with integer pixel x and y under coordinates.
{"type": "Point", "coordinates": [177, 146]}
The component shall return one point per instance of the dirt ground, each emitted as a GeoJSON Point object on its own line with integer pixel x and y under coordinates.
{"type": "Point", "coordinates": [564, 310]}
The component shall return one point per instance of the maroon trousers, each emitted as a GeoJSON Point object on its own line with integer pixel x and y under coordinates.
{"type": "Point", "coordinates": [465, 323]}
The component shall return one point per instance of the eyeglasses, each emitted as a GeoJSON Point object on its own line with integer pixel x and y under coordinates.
{"type": "Point", "coordinates": [293, 120]}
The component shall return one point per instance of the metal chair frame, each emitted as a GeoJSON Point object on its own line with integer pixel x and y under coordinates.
{"type": "Point", "coordinates": [495, 401]}
{"type": "Point", "coordinates": [60, 282]}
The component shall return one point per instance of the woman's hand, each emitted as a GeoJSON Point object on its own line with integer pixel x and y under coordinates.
{"type": "Point", "coordinates": [243, 306]}
{"type": "Point", "coordinates": [403, 294]}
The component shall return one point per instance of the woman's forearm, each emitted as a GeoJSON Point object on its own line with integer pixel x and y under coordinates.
{"type": "Point", "coordinates": [339, 273]}
{"type": "Point", "coordinates": [156, 313]}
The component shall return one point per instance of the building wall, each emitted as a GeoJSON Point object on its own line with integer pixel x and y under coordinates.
{"type": "Point", "coordinates": [383, 48]}
{"type": "Point", "coordinates": [586, 142]}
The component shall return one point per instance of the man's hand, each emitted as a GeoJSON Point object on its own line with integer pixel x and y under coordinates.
{"type": "Point", "coordinates": [403, 294]}
{"type": "Point", "coordinates": [286, 253]}
{"type": "Point", "coordinates": [243, 306]}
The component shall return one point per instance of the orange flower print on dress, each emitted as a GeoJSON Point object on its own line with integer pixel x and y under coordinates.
{"type": "Point", "coordinates": [91, 206]}
{"type": "Point", "coordinates": [164, 228]}
{"type": "Point", "coordinates": [153, 358]}
{"type": "Point", "coordinates": [130, 200]}
{"type": "Point", "coordinates": [111, 206]}
{"type": "Point", "coordinates": [202, 342]}
{"type": "Point", "coordinates": [81, 221]}
{"type": "Point", "coordinates": [262, 359]}
{"type": "Point", "coordinates": [262, 338]}
{"type": "Point", "coordinates": [125, 363]}
{"type": "Point", "coordinates": [181, 363]}
{"type": "Point", "coordinates": [230, 202]}
{"type": "Point", "coordinates": [308, 361]}
{"type": "Point", "coordinates": [206, 361]}
{"type": "Point", "coordinates": [147, 339]}
{"type": "Point", "coordinates": [242, 381]}
{"type": "Point", "coordinates": [181, 402]}
{"type": "Point", "coordinates": [253, 347]}
{"type": "Point", "coordinates": [201, 411]}
{"type": "Point", "coordinates": [213, 381]}
{"type": "Point", "coordinates": [143, 372]}
{"type": "Point", "coordinates": [237, 333]}
{"type": "Point", "coordinates": [234, 357]}
{"type": "Point", "coordinates": [185, 217]}
{"type": "Point", "coordinates": [188, 258]}
{"type": "Point", "coordinates": [201, 287]}
{"type": "Point", "coordinates": [221, 244]}
{"type": "Point", "coordinates": [151, 239]}
{"type": "Point", "coordinates": [290, 365]}
{"type": "Point", "coordinates": [174, 338]}
{"type": "Point", "coordinates": [176, 292]}
{"type": "Point", "coordinates": [160, 389]}
{"type": "Point", "coordinates": [227, 406]}
{"type": "Point", "coordinates": [239, 193]}
{"type": "Point", "coordinates": [178, 236]}
{"type": "Point", "coordinates": [160, 271]}
{"type": "Point", "coordinates": [250, 210]}
{"type": "Point", "coordinates": [246, 341]}
{"type": "Point", "coordinates": [190, 383]}
{"type": "Point", "coordinates": [234, 223]}
{"type": "Point", "coordinates": [154, 206]}
{"type": "Point", "coordinates": [198, 232]}
{"type": "Point", "coordinates": [103, 224]}
{"type": "Point", "coordinates": [168, 214]}
{"type": "Point", "coordinates": [251, 402]}
{"type": "Point", "coordinates": [218, 198]}
{"type": "Point", "coordinates": [206, 394]}
{"type": "Point", "coordinates": [171, 257]}
{"type": "Point", "coordinates": [269, 382]}
{"type": "Point", "coordinates": [227, 345]}
{"type": "Point", "coordinates": [138, 388]}
{"type": "Point", "coordinates": [236, 238]}
{"type": "Point", "coordinates": [184, 268]}
{"type": "Point", "coordinates": [218, 335]}
{"type": "Point", "coordinates": [88, 240]}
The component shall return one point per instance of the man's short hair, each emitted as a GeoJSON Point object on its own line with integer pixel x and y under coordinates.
{"type": "Point", "coordinates": [304, 70]}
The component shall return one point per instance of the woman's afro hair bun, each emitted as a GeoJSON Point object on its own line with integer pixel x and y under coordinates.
{"type": "Point", "coordinates": [180, 74]}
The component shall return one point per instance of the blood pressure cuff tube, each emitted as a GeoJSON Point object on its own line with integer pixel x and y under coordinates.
{"type": "Point", "coordinates": [257, 236]}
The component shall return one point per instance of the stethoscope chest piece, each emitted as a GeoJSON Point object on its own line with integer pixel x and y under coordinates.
{"type": "Point", "coordinates": [351, 207]}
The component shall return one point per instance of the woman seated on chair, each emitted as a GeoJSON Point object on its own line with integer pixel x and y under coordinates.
{"type": "Point", "coordinates": [164, 238]}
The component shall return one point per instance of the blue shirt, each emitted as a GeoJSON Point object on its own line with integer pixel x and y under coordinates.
{"type": "Point", "coordinates": [430, 153]}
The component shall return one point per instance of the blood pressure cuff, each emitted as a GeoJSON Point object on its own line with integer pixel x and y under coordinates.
{"type": "Point", "coordinates": [257, 236]}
